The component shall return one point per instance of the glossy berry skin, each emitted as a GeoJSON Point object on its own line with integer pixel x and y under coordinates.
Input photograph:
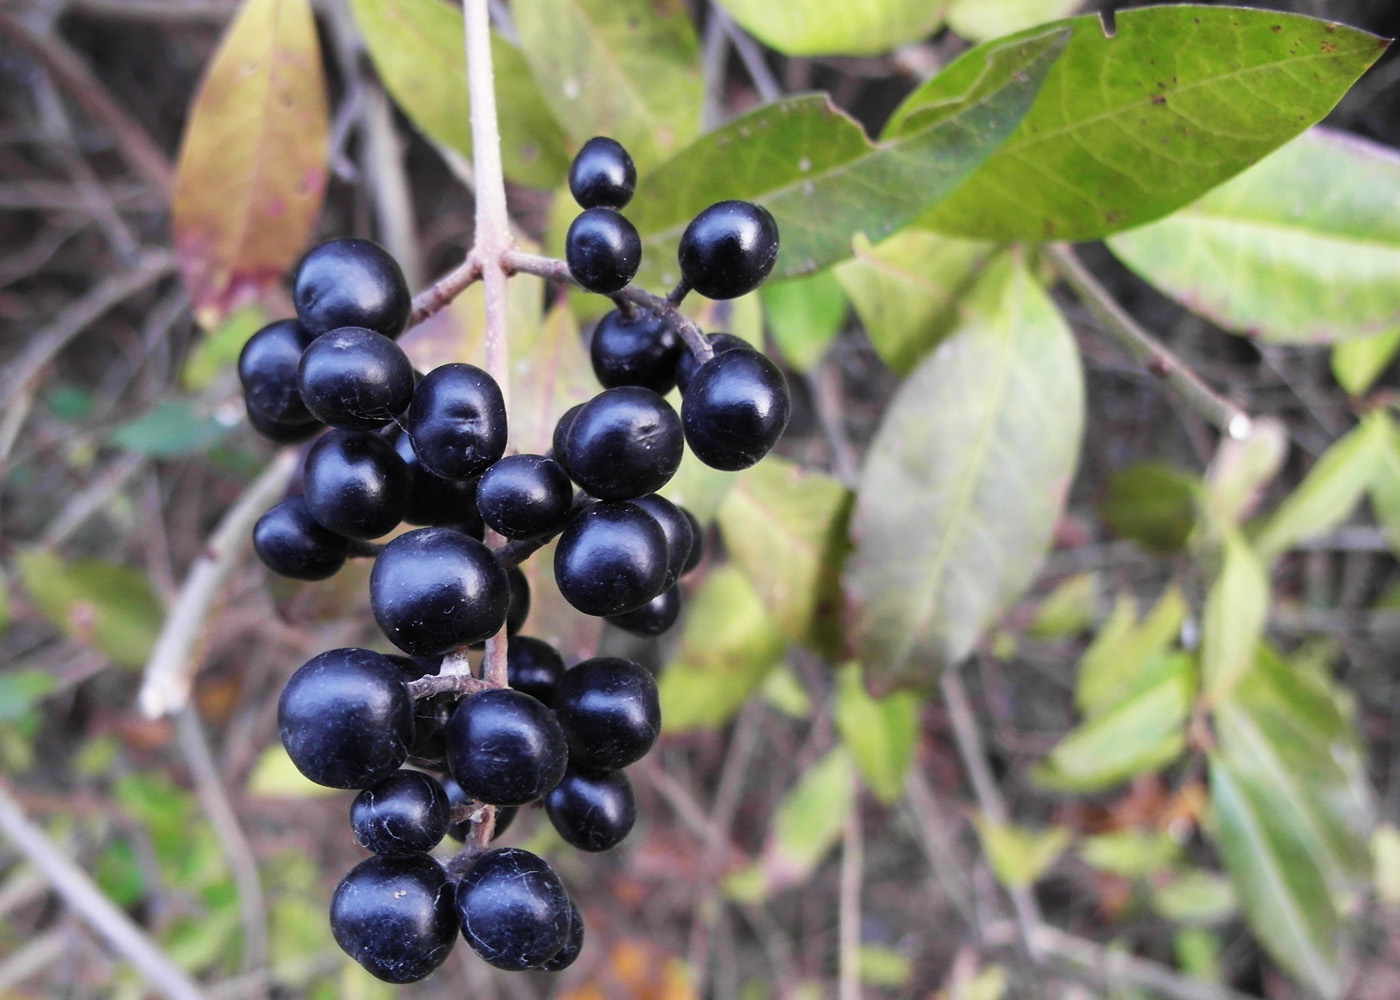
{"type": "Point", "coordinates": [687, 366]}
{"type": "Point", "coordinates": [735, 410]}
{"type": "Point", "coordinates": [533, 667]}
{"type": "Point", "coordinates": [728, 249]}
{"type": "Point", "coordinates": [433, 589]}
{"type": "Point", "coordinates": [394, 914]}
{"type": "Point", "coordinates": [652, 618]}
{"type": "Point", "coordinates": [624, 443]}
{"type": "Point", "coordinates": [573, 944]}
{"type": "Point", "coordinates": [680, 536]}
{"type": "Point", "coordinates": [433, 500]}
{"type": "Point", "coordinates": [351, 282]}
{"type": "Point", "coordinates": [355, 484]}
{"type": "Point", "coordinates": [278, 432]}
{"type": "Point", "coordinates": [519, 610]}
{"type": "Point", "coordinates": [524, 496]}
{"type": "Point", "coordinates": [561, 435]}
{"type": "Point", "coordinates": [697, 548]}
{"type": "Point", "coordinates": [505, 815]}
{"type": "Point", "coordinates": [514, 910]}
{"type": "Point", "coordinates": [592, 810]}
{"type": "Point", "coordinates": [457, 421]}
{"type": "Point", "coordinates": [505, 748]}
{"type": "Point", "coordinates": [642, 350]}
{"type": "Point", "coordinates": [267, 367]}
{"type": "Point", "coordinates": [291, 542]}
{"type": "Point", "coordinates": [610, 559]}
{"type": "Point", "coordinates": [346, 719]}
{"type": "Point", "coordinates": [355, 378]}
{"type": "Point", "coordinates": [406, 813]}
{"type": "Point", "coordinates": [603, 250]}
{"type": "Point", "coordinates": [610, 712]}
{"type": "Point", "coordinates": [602, 174]}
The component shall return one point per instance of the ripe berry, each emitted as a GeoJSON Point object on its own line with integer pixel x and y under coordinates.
{"type": "Point", "coordinates": [406, 813]}
{"type": "Point", "coordinates": [688, 365]}
{"type": "Point", "coordinates": [433, 589]}
{"type": "Point", "coordinates": [592, 810]}
{"type": "Point", "coordinates": [524, 496]}
{"type": "Point", "coordinates": [267, 367]}
{"type": "Point", "coordinates": [457, 421]}
{"type": "Point", "coordinates": [513, 909]}
{"type": "Point", "coordinates": [603, 250]}
{"type": "Point", "coordinates": [602, 174]}
{"type": "Point", "coordinates": [355, 484]}
{"type": "Point", "coordinates": [355, 378]}
{"type": "Point", "coordinates": [642, 350]}
{"type": "Point", "coordinates": [735, 410]}
{"type": "Point", "coordinates": [610, 559]}
{"type": "Point", "coordinates": [624, 443]}
{"type": "Point", "coordinates": [291, 542]}
{"type": "Point", "coordinates": [350, 282]}
{"type": "Point", "coordinates": [653, 617]}
{"type": "Point", "coordinates": [394, 915]}
{"type": "Point", "coordinates": [433, 500]}
{"type": "Point", "coordinates": [346, 718]}
{"type": "Point", "coordinates": [610, 712]}
{"type": "Point", "coordinates": [697, 549]}
{"type": "Point", "coordinates": [680, 537]}
{"type": "Point", "coordinates": [519, 609]}
{"type": "Point", "coordinates": [505, 748]}
{"type": "Point", "coordinates": [533, 667]}
{"type": "Point", "coordinates": [505, 815]}
{"type": "Point", "coordinates": [728, 249]}
{"type": "Point", "coordinates": [278, 432]}
{"type": "Point", "coordinates": [573, 944]}
{"type": "Point", "coordinates": [561, 435]}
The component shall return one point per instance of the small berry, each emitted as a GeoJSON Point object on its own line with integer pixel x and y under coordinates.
{"type": "Point", "coordinates": [602, 174]}
{"type": "Point", "coordinates": [267, 367]}
{"type": "Point", "coordinates": [680, 536]}
{"type": "Point", "coordinates": [457, 421]}
{"type": "Point", "coordinates": [561, 435]}
{"type": "Point", "coordinates": [524, 496]}
{"type": "Point", "coordinates": [728, 249]}
{"type": "Point", "coordinates": [434, 589]}
{"type": "Point", "coordinates": [735, 410]}
{"type": "Point", "coordinates": [610, 712]}
{"type": "Point", "coordinates": [610, 559]}
{"type": "Point", "coordinates": [533, 667]}
{"type": "Point", "coordinates": [505, 748]}
{"type": "Point", "coordinates": [394, 915]}
{"type": "Point", "coordinates": [688, 364]}
{"type": "Point", "coordinates": [642, 350]}
{"type": "Point", "coordinates": [653, 617]}
{"type": "Point", "coordinates": [355, 484]}
{"type": "Point", "coordinates": [355, 378]}
{"type": "Point", "coordinates": [435, 501]}
{"type": "Point", "coordinates": [697, 548]}
{"type": "Point", "coordinates": [519, 610]}
{"type": "Point", "coordinates": [351, 282]}
{"type": "Point", "coordinates": [406, 813]}
{"type": "Point", "coordinates": [346, 719]}
{"type": "Point", "coordinates": [292, 543]}
{"type": "Point", "coordinates": [505, 815]}
{"type": "Point", "coordinates": [592, 810]}
{"type": "Point", "coordinates": [603, 250]}
{"type": "Point", "coordinates": [278, 432]}
{"type": "Point", "coordinates": [573, 944]}
{"type": "Point", "coordinates": [624, 443]}
{"type": "Point", "coordinates": [514, 910]}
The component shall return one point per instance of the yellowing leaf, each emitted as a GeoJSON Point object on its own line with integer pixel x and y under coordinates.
{"type": "Point", "coordinates": [1019, 856]}
{"type": "Point", "coordinates": [1357, 363]}
{"type": "Point", "coordinates": [880, 733]}
{"type": "Point", "coordinates": [274, 776]}
{"type": "Point", "coordinates": [1067, 610]}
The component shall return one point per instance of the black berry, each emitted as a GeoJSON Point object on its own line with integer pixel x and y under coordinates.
{"type": "Point", "coordinates": [433, 589]}
{"type": "Point", "coordinates": [735, 410]}
{"type": "Point", "coordinates": [457, 421]}
{"type": "Point", "coordinates": [602, 174]}
{"type": "Point", "coordinates": [624, 443]}
{"type": "Point", "coordinates": [505, 748]}
{"type": "Point", "coordinates": [592, 810]}
{"type": "Point", "coordinates": [433, 500]}
{"type": "Point", "coordinates": [687, 365]}
{"type": "Point", "coordinates": [292, 543]}
{"type": "Point", "coordinates": [603, 250]}
{"type": "Point", "coordinates": [680, 536]}
{"type": "Point", "coordinates": [524, 496]}
{"type": "Point", "coordinates": [394, 915]}
{"type": "Point", "coordinates": [519, 610]}
{"type": "Point", "coordinates": [278, 432]}
{"type": "Point", "coordinates": [351, 282]}
{"type": "Point", "coordinates": [697, 548]}
{"type": "Point", "coordinates": [514, 911]}
{"type": "Point", "coordinates": [355, 484]}
{"type": "Point", "coordinates": [610, 712]}
{"type": "Point", "coordinates": [355, 378]}
{"type": "Point", "coordinates": [561, 434]}
{"type": "Point", "coordinates": [642, 350]}
{"type": "Point", "coordinates": [267, 367]}
{"type": "Point", "coordinates": [728, 249]}
{"type": "Point", "coordinates": [653, 617]}
{"type": "Point", "coordinates": [534, 667]}
{"type": "Point", "coordinates": [573, 944]}
{"type": "Point", "coordinates": [406, 813]}
{"type": "Point", "coordinates": [611, 559]}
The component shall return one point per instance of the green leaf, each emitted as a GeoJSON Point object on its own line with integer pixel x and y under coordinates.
{"type": "Point", "coordinates": [1385, 479]}
{"type": "Point", "coordinates": [823, 180]}
{"type": "Point", "coordinates": [274, 776]}
{"type": "Point", "coordinates": [881, 966]}
{"type": "Point", "coordinates": [964, 481]}
{"type": "Point", "coordinates": [219, 349]}
{"type": "Point", "coordinates": [728, 646]}
{"type": "Point", "coordinates": [1115, 662]}
{"type": "Point", "coordinates": [1237, 608]}
{"type": "Point", "coordinates": [417, 48]}
{"type": "Point", "coordinates": [1242, 468]}
{"type": "Point", "coordinates": [1067, 610]}
{"type": "Point", "coordinates": [1018, 857]}
{"type": "Point", "coordinates": [979, 20]}
{"type": "Point", "coordinates": [1130, 853]}
{"type": "Point", "coordinates": [809, 820]}
{"type": "Point", "coordinates": [629, 69]}
{"type": "Point", "coordinates": [1195, 897]}
{"type": "Point", "coordinates": [1153, 504]}
{"type": "Point", "coordinates": [1131, 127]}
{"type": "Point", "coordinates": [1357, 363]}
{"type": "Point", "coordinates": [880, 733]}
{"type": "Point", "coordinates": [173, 428]}
{"type": "Point", "coordinates": [1385, 849]}
{"type": "Point", "coordinates": [108, 607]}
{"type": "Point", "coordinates": [1198, 953]}
{"type": "Point", "coordinates": [836, 27]}
{"type": "Point", "coordinates": [804, 316]}
{"type": "Point", "coordinates": [21, 691]}
{"type": "Point", "coordinates": [697, 487]}
{"type": "Point", "coordinates": [785, 527]}
{"type": "Point", "coordinates": [908, 290]}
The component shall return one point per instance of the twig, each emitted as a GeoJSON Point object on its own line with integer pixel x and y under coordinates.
{"type": "Point", "coordinates": [714, 54]}
{"type": "Point", "coordinates": [752, 57]}
{"type": "Point", "coordinates": [1114, 966]}
{"type": "Point", "coordinates": [88, 901]}
{"type": "Point", "coordinates": [454, 683]}
{"type": "Point", "coordinates": [35, 956]}
{"type": "Point", "coordinates": [452, 284]}
{"type": "Point", "coordinates": [169, 674]}
{"type": "Point", "coordinates": [851, 862]}
{"type": "Point", "coordinates": [1224, 415]}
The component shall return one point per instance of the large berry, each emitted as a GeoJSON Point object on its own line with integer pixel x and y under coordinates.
{"type": "Point", "coordinates": [355, 484]}
{"type": "Point", "coordinates": [267, 367]}
{"type": "Point", "coordinates": [735, 410]}
{"type": "Point", "coordinates": [433, 500]}
{"type": "Point", "coordinates": [728, 249]}
{"type": "Point", "coordinates": [514, 911]}
{"type": "Point", "coordinates": [505, 815]}
{"type": "Point", "coordinates": [524, 496]}
{"type": "Point", "coordinates": [687, 365]}
{"type": "Point", "coordinates": [611, 559]}
{"type": "Point", "coordinates": [602, 174]}
{"type": "Point", "coordinates": [505, 748]}
{"type": "Point", "coordinates": [406, 813]}
{"type": "Point", "coordinates": [346, 718]}
{"type": "Point", "coordinates": [457, 421]}
{"type": "Point", "coordinates": [355, 378]}
{"type": "Point", "coordinates": [534, 667]}
{"type": "Point", "coordinates": [680, 536]}
{"type": "Point", "coordinates": [592, 810]}
{"type": "Point", "coordinates": [351, 282]}
{"type": "Point", "coordinates": [292, 543]}
{"type": "Point", "coordinates": [279, 432]}
{"type": "Point", "coordinates": [394, 915]}
{"type": "Point", "coordinates": [603, 250]}
{"type": "Point", "coordinates": [434, 589]}
{"type": "Point", "coordinates": [653, 617]}
{"type": "Point", "coordinates": [639, 350]}
{"type": "Point", "coordinates": [624, 443]}
{"type": "Point", "coordinates": [610, 712]}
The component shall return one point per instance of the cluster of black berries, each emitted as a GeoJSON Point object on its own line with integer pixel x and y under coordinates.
{"type": "Point", "coordinates": [430, 451]}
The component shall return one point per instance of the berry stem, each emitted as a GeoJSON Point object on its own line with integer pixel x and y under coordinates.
{"type": "Point", "coordinates": [679, 293]}
{"type": "Point", "coordinates": [460, 684]}
{"type": "Point", "coordinates": [452, 284]}
{"type": "Point", "coordinates": [363, 550]}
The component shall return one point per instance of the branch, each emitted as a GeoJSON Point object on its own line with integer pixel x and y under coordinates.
{"type": "Point", "coordinates": [1113, 966]}
{"type": "Point", "coordinates": [851, 862]}
{"type": "Point", "coordinates": [452, 284]}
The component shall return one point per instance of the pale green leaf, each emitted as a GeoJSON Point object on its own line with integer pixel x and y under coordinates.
{"type": "Point", "coordinates": [1237, 607]}
{"type": "Point", "coordinates": [1114, 666]}
{"type": "Point", "coordinates": [697, 487]}
{"type": "Point", "coordinates": [1067, 610]}
{"type": "Point", "coordinates": [979, 20]}
{"type": "Point", "coordinates": [804, 316]}
{"type": "Point", "coordinates": [782, 690]}
{"type": "Point", "coordinates": [1130, 853]}
{"type": "Point", "coordinates": [809, 820]}
{"type": "Point", "coordinates": [1242, 468]}
{"type": "Point", "coordinates": [1195, 897]}
{"type": "Point", "coordinates": [837, 27]}
{"type": "Point", "coordinates": [964, 481]}
{"type": "Point", "coordinates": [1385, 479]}
{"type": "Point", "coordinates": [1197, 951]}
{"type": "Point", "coordinates": [1018, 857]}
{"type": "Point", "coordinates": [880, 733]}
{"type": "Point", "coordinates": [218, 350]}
{"type": "Point", "coordinates": [274, 776]}
{"type": "Point", "coordinates": [882, 966]}
{"type": "Point", "coordinates": [108, 607]}
{"type": "Point", "coordinates": [1357, 363]}
{"type": "Point", "coordinates": [1385, 849]}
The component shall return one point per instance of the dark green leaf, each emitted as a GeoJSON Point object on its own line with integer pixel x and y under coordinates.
{"type": "Point", "coordinates": [1153, 504]}
{"type": "Point", "coordinates": [804, 316]}
{"type": "Point", "coordinates": [108, 607]}
{"type": "Point", "coordinates": [170, 430]}
{"type": "Point", "coordinates": [836, 27]}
